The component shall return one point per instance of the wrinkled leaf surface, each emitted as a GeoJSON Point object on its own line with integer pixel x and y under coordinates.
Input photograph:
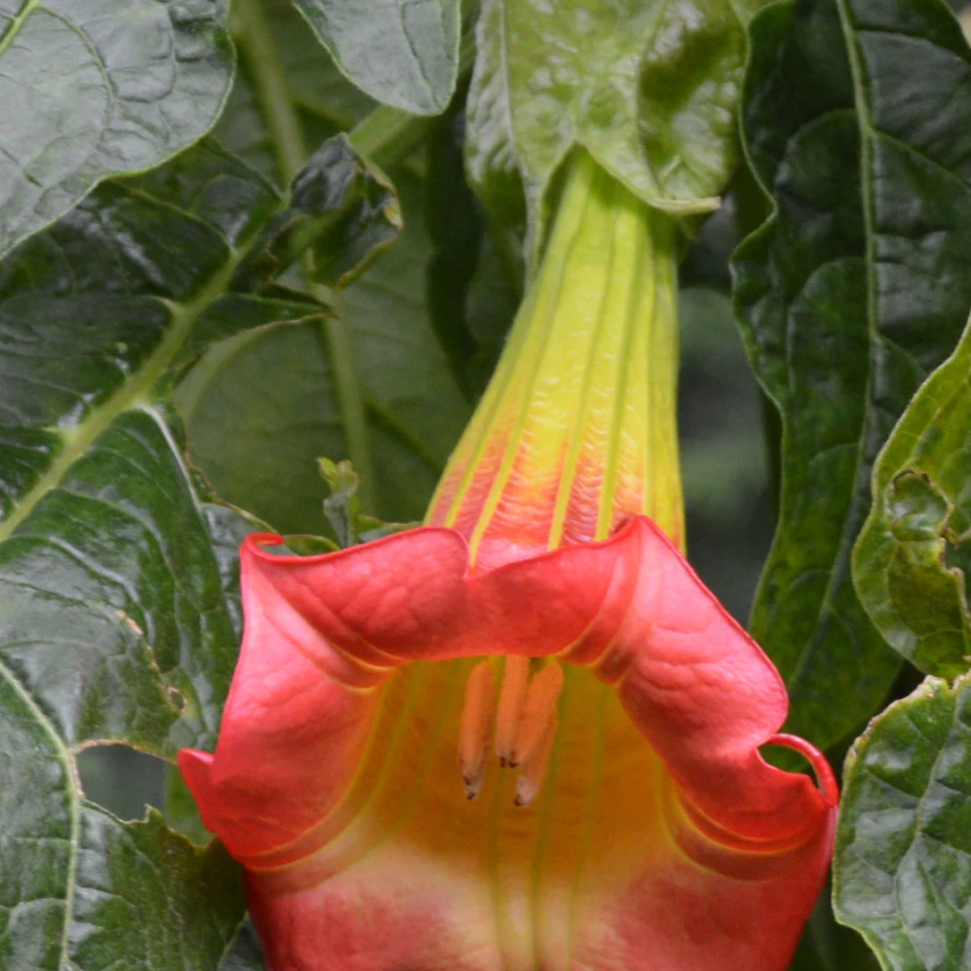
{"type": "Point", "coordinates": [849, 295]}
{"type": "Point", "coordinates": [94, 90]}
{"type": "Point", "coordinates": [903, 856]}
{"type": "Point", "coordinates": [912, 557]}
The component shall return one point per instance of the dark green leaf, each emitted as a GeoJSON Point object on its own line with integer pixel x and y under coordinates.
{"type": "Point", "coordinates": [148, 899]}
{"type": "Point", "coordinates": [849, 295]}
{"type": "Point", "coordinates": [903, 850]}
{"type": "Point", "coordinates": [245, 954]}
{"type": "Point", "coordinates": [119, 605]}
{"type": "Point", "coordinates": [828, 946]}
{"type": "Point", "coordinates": [909, 563]}
{"type": "Point", "coordinates": [347, 206]}
{"type": "Point", "coordinates": [649, 89]}
{"type": "Point", "coordinates": [455, 226]}
{"type": "Point", "coordinates": [343, 213]}
{"type": "Point", "coordinates": [92, 92]}
{"type": "Point", "coordinates": [342, 508]}
{"type": "Point", "coordinates": [280, 385]}
{"type": "Point", "coordinates": [475, 274]}
{"type": "Point", "coordinates": [400, 53]}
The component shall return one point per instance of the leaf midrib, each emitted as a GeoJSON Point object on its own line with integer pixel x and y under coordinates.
{"type": "Point", "coordinates": [13, 28]}
{"type": "Point", "coordinates": [131, 394]}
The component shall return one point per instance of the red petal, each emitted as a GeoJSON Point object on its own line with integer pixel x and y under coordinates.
{"type": "Point", "coordinates": [747, 844]}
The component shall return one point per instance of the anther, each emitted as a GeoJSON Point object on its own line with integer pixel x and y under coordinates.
{"type": "Point", "coordinates": [534, 768]}
{"type": "Point", "coordinates": [480, 693]}
{"type": "Point", "coordinates": [538, 710]}
{"type": "Point", "coordinates": [512, 697]}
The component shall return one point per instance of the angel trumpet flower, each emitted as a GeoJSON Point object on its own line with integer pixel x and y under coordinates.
{"type": "Point", "coordinates": [541, 621]}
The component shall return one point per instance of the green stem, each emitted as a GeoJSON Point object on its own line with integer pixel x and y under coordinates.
{"type": "Point", "coordinates": [334, 117]}
{"type": "Point", "coordinates": [251, 31]}
{"type": "Point", "coordinates": [389, 135]}
{"type": "Point", "coordinates": [351, 402]}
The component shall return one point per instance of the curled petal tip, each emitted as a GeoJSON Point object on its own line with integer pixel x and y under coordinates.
{"type": "Point", "coordinates": [825, 778]}
{"type": "Point", "coordinates": [255, 542]}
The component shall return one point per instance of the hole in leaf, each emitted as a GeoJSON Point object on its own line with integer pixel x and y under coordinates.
{"type": "Point", "coordinates": [121, 779]}
{"type": "Point", "coordinates": [177, 698]}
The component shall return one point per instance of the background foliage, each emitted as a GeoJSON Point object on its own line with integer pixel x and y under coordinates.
{"type": "Point", "coordinates": [317, 218]}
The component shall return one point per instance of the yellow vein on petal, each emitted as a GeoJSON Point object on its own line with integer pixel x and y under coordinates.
{"type": "Point", "coordinates": [624, 363]}
{"type": "Point", "coordinates": [545, 821]}
{"type": "Point", "coordinates": [457, 671]}
{"type": "Point", "coordinates": [582, 417]}
{"type": "Point", "coordinates": [593, 804]}
{"type": "Point", "coordinates": [574, 210]}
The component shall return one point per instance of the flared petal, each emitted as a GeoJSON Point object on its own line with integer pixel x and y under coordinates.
{"type": "Point", "coordinates": [738, 849]}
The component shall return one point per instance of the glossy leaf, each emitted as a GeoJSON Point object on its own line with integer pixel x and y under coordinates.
{"type": "Point", "coordinates": [910, 563]}
{"type": "Point", "coordinates": [848, 296]}
{"type": "Point", "coordinates": [343, 212]}
{"type": "Point", "coordinates": [402, 54]}
{"type": "Point", "coordinates": [92, 92]}
{"type": "Point", "coordinates": [324, 101]}
{"type": "Point", "coordinates": [120, 619]}
{"type": "Point", "coordinates": [828, 946]}
{"type": "Point", "coordinates": [283, 424]}
{"type": "Point", "coordinates": [649, 89]}
{"type": "Point", "coordinates": [903, 854]}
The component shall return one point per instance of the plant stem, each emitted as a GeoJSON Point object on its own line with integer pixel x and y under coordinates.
{"type": "Point", "coordinates": [351, 403]}
{"type": "Point", "coordinates": [389, 135]}
{"type": "Point", "coordinates": [252, 33]}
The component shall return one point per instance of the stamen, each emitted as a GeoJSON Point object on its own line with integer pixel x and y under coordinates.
{"type": "Point", "coordinates": [511, 701]}
{"type": "Point", "coordinates": [534, 768]}
{"type": "Point", "coordinates": [480, 693]}
{"type": "Point", "coordinates": [539, 709]}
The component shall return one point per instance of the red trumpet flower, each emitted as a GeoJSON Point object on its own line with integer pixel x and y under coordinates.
{"type": "Point", "coordinates": [635, 825]}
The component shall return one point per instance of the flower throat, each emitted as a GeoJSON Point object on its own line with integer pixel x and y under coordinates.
{"type": "Point", "coordinates": [575, 433]}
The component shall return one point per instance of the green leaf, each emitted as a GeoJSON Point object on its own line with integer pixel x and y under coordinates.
{"type": "Point", "coordinates": [281, 386]}
{"type": "Point", "coordinates": [246, 954]}
{"type": "Point", "coordinates": [848, 296]}
{"type": "Point", "coordinates": [909, 563]}
{"type": "Point", "coordinates": [119, 601]}
{"type": "Point", "coordinates": [475, 274]}
{"type": "Point", "coordinates": [401, 54]}
{"type": "Point", "coordinates": [128, 875]}
{"type": "Point", "coordinates": [342, 508]}
{"type": "Point", "coordinates": [827, 946]}
{"type": "Point", "coordinates": [903, 849]}
{"type": "Point", "coordinates": [347, 210]}
{"type": "Point", "coordinates": [89, 93]}
{"type": "Point", "coordinates": [649, 89]}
